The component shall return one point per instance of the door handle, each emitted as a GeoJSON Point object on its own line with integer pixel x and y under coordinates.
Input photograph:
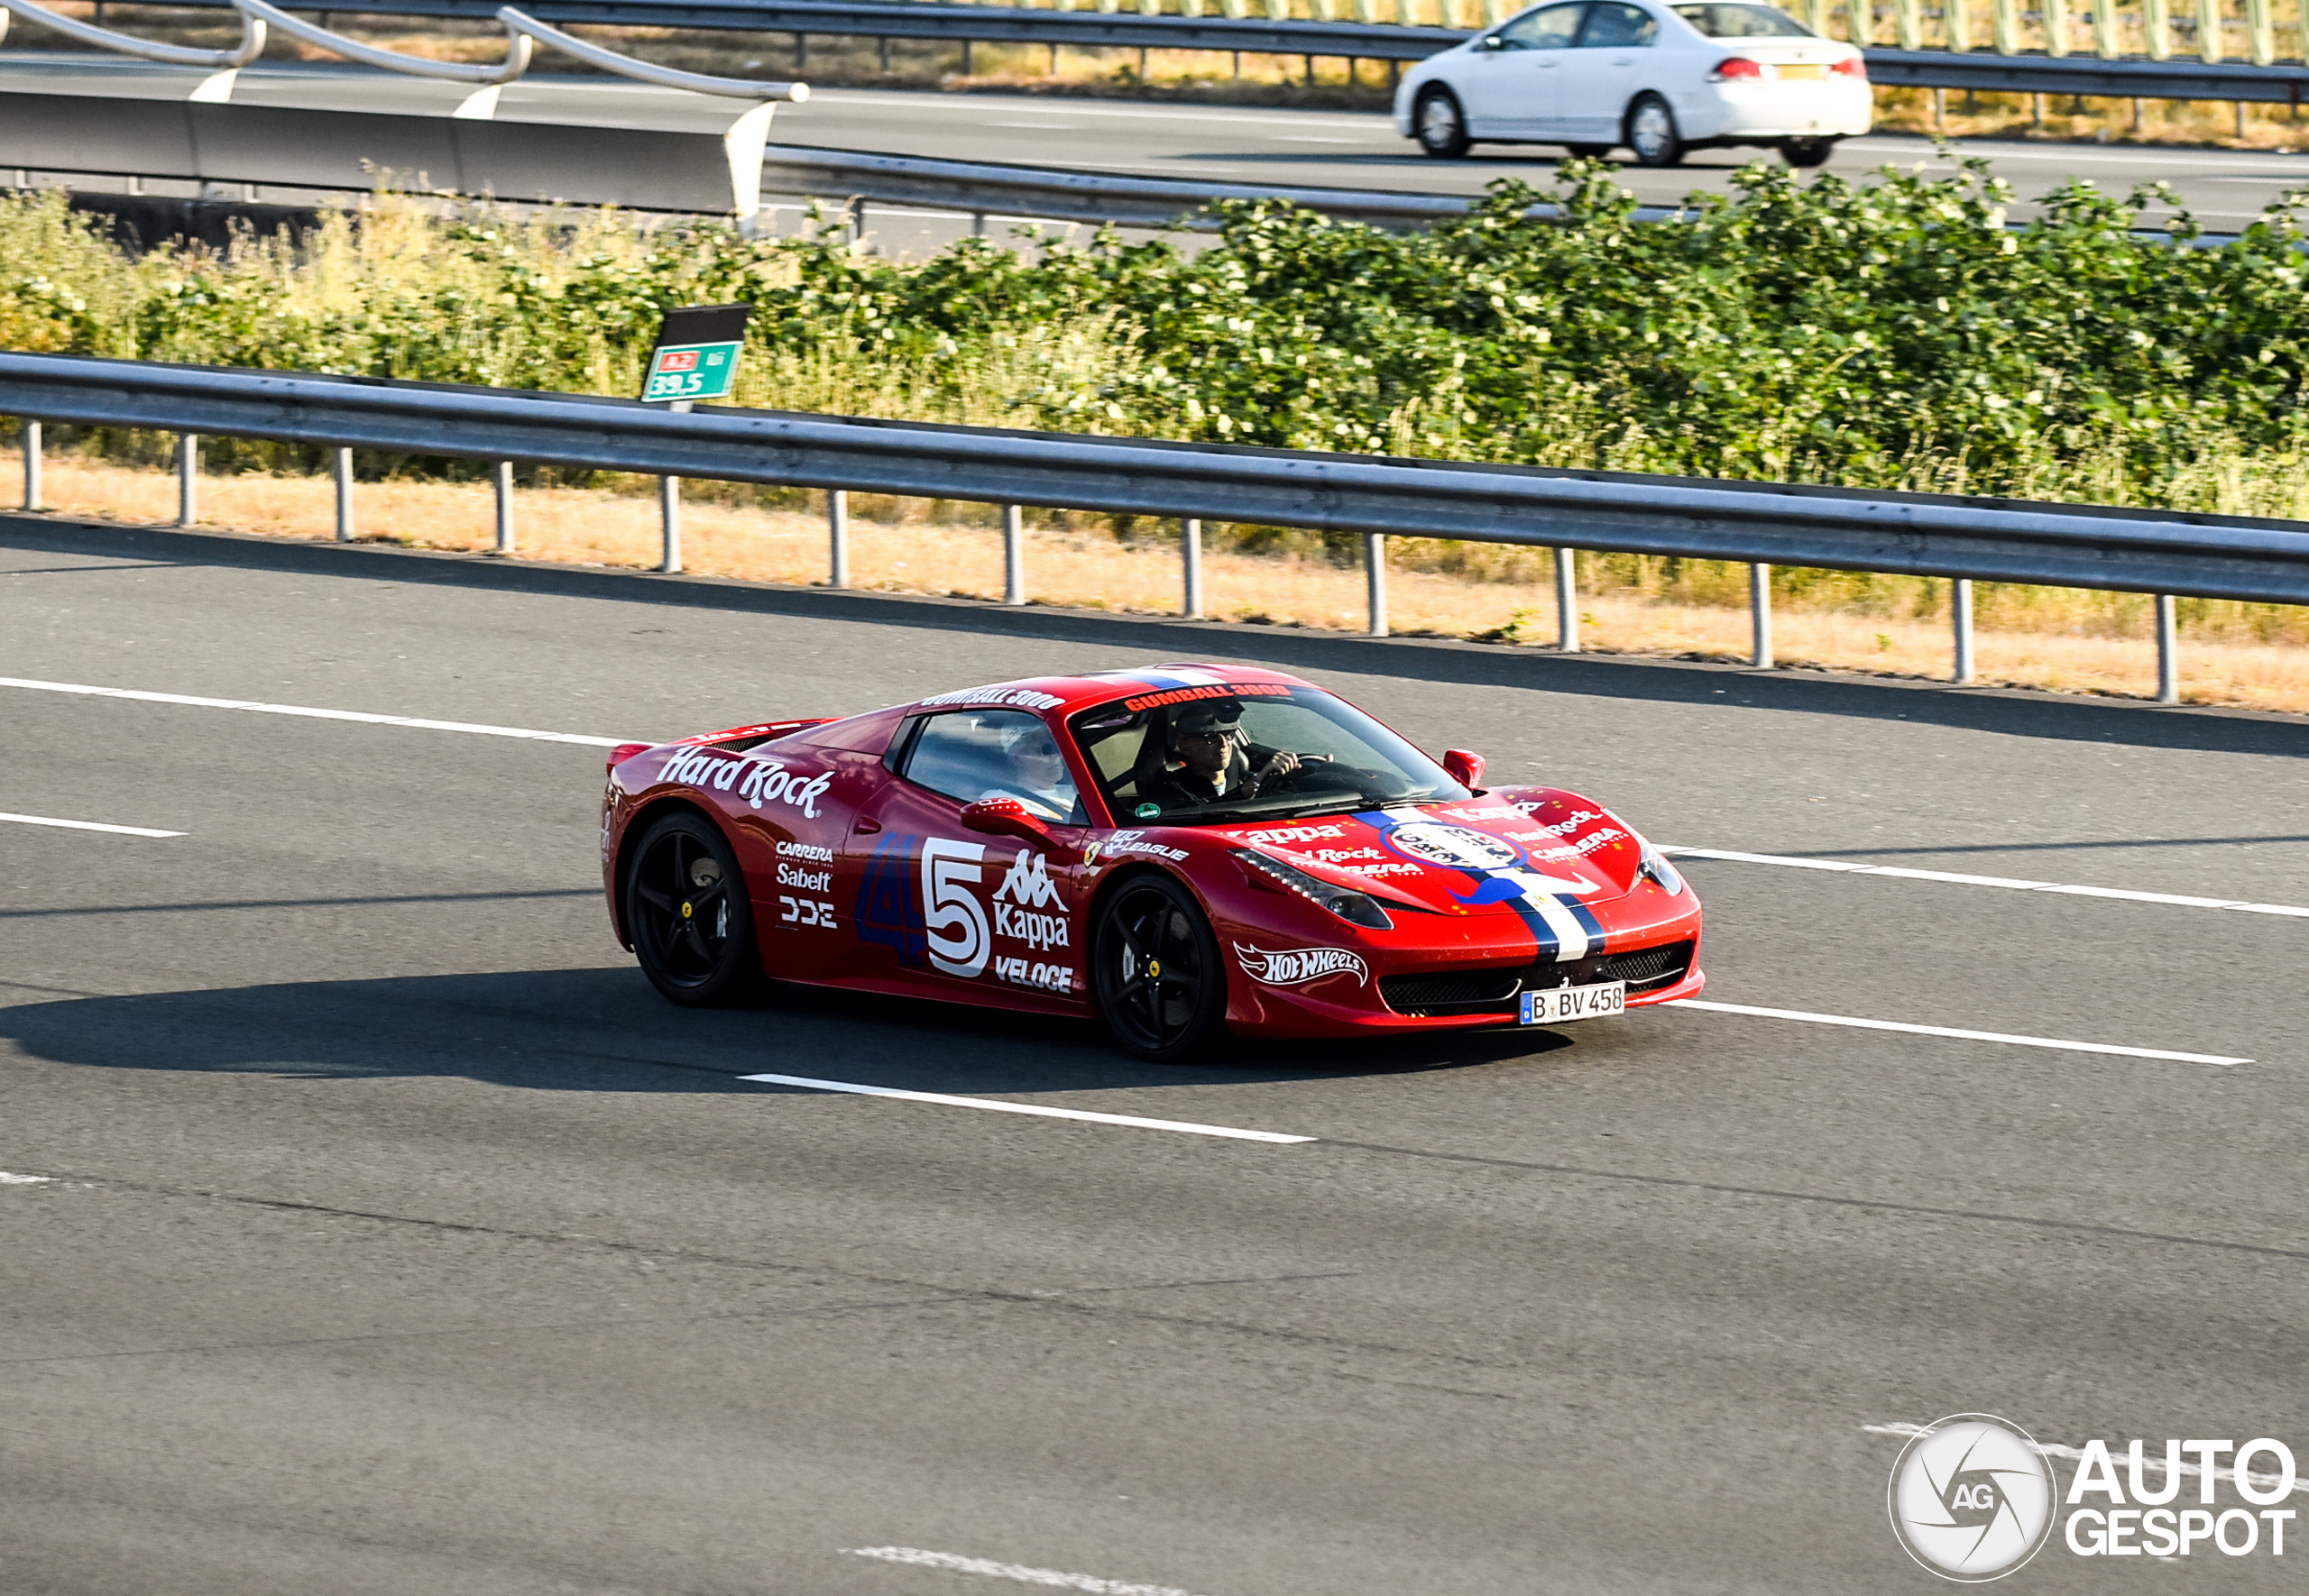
{"type": "Point", "coordinates": [867, 827]}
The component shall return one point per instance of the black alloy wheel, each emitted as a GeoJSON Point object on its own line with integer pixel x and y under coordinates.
{"type": "Point", "coordinates": [1803, 153]}
{"type": "Point", "coordinates": [1653, 133]}
{"type": "Point", "coordinates": [686, 911]}
{"type": "Point", "coordinates": [1588, 151]}
{"type": "Point", "coordinates": [1439, 124]}
{"type": "Point", "coordinates": [1156, 968]}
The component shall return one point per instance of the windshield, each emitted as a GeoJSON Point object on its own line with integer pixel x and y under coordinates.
{"type": "Point", "coordinates": [1743, 22]}
{"type": "Point", "coordinates": [1204, 756]}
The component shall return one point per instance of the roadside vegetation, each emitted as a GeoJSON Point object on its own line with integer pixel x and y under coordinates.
{"type": "Point", "coordinates": [1893, 334]}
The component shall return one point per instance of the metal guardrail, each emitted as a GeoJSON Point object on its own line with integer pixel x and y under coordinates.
{"type": "Point", "coordinates": [2025, 73]}
{"type": "Point", "coordinates": [1763, 524]}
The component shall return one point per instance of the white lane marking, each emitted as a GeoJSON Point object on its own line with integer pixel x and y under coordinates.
{"type": "Point", "coordinates": [1000, 1107]}
{"type": "Point", "coordinates": [310, 713]}
{"type": "Point", "coordinates": [2086, 154]}
{"type": "Point", "coordinates": [955, 1563]}
{"type": "Point", "coordinates": [1908, 1432]}
{"type": "Point", "coordinates": [8, 1179]}
{"type": "Point", "coordinates": [42, 820]}
{"type": "Point", "coordinates": [2008, 883]}
{"type": "Point", "coordinates": [948, 112]}
{"type": "Point", "coordinates": [2018, 1041]}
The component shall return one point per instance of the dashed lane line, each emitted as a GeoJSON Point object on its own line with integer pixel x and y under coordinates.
{"type": "Point", "coordinates": [254, 707]}
{"type": "Point", "coordinates": [954, 1563]}
{"type": "Point", "coordinates": [1950, 1030]}
{"type": "Point", "coordinates": [1957, 878]}
{"type": "Point", "coordinates": [998, 1105]}
{"type": "Point", "coordinates": [43, 820]}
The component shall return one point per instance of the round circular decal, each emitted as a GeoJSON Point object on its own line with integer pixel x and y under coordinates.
{"type": "Point", "coordinates": [1971, 1498]}
{"type": "Point", "coordinates": [1458, 847]}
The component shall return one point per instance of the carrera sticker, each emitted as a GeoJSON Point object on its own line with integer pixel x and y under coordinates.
{"type": "Point", "coordinates": [1296, 967]}
{"type": "Point", "coordinates": [1045, 977]}
{"type": "Point", "coordinates": [804, 851]}
{"type": "Point", "coordinates": [758, 782]}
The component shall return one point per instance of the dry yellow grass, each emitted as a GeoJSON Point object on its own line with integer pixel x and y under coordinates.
{"type": "Point", "coordinates": [917, 553]}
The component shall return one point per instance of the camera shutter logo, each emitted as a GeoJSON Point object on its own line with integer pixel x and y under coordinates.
{"type": "Point", "coordinates": [1971, 1498]}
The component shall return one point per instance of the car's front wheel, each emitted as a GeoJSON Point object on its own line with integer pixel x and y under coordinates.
{"type": "Point", "coordinates": [1808, 152]}
{"type": "Point", "coordinates": [1652, 132]}
{"type": "Point", "coordinates": [1156, 972]}
{"type": "Point", "coordinates": [686, 911]}
{"type": "Point", "coordinates": [1439, 124]}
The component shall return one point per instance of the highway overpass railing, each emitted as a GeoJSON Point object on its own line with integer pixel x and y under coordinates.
{"type": "Point", "coordinates": [1962, 539]}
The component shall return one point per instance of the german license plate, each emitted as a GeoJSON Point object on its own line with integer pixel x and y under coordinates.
{"type": "Point", "coordinates": [1803, 71]}
{"type": "Point", "coordinates": [1575, 1003]}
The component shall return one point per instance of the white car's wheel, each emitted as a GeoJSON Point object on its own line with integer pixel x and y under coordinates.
{"type": "Point", "coordinates": [1439, 124]}
{"type": "Point", "coordinates": [1652, 132]}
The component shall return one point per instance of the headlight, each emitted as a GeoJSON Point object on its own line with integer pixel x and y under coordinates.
{"type": "Point", "coordinates": [1354, 907]}
{"type": "Point", "coordinates": [1656, 866]}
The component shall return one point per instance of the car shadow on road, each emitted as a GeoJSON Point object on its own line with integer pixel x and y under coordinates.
{"type": "Point", "coordinates": [605, 1031]}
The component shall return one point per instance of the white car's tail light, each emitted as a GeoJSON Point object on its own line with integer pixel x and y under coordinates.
{"type": "Point", "coordinates": [1851, 67]}
{"type": "Point", "coordinates": [1737, 68]}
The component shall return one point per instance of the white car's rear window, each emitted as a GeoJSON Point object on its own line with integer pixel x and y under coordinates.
{"type": "Point", "coordinates": [1718, 20]}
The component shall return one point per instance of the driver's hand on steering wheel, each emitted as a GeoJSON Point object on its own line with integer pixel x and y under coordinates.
{"type": "Point", "coordinates": [1283, 764]}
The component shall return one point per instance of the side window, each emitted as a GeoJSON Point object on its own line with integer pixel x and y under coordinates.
{"type": "Point", "coordinates": [1614, 26]}
{"type": "Point", "coordinates": [968, 754]}
{"type": "Point", "coordinates": [1551, 27]}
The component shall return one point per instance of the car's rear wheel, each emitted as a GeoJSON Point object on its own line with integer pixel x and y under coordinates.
{"type": "Point", "coordinates": [1589, 152]}
{"type": "Point", "coordinates": [1808, 152]}
{"type": "Point", "coordinates": [686, 911]}
{"type": "Point", "coordinates": [1439, 124]}
{"type": "Point", "coordinates": [1155, 969]}
{"type": "Point", "coordinates": [1653, 133]}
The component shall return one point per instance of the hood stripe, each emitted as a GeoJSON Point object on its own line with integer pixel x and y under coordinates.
{"type": "Point", "coordinates": [1562, 925]}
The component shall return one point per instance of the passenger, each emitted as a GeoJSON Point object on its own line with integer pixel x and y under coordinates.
{"type": "Point", "coordinates": [1038, 776]}
{"type": "Point", "coordinates": [1207, 740]}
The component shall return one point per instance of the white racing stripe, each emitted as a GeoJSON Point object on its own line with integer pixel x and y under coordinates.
{"type": "Point", "coordinates": [2008, 883]}
{"type": "Point", "coordinates": [310, 713]}
{"type": "Point", "coordinates": [2018, 1041]}
{"type": "Point", "coordinates": [953, 1563]}
{"type": "Point", "coordinates": [1000, 1107]}
{"type": "Point", "coordinates": [1908, 1432]}
{"type": "Point", "coordinates": [42, 820]}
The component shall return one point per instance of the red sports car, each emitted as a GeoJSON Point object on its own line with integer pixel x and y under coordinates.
{"type": "Point", "coordinates": [1176, 851]}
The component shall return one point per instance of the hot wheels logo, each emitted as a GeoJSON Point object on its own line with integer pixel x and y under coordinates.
{"type": "Point", "coordinates": [1295, 967]}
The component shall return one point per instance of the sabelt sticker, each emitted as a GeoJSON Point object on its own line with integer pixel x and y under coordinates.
{"type": "Point", "coordinates": [1296, 967]}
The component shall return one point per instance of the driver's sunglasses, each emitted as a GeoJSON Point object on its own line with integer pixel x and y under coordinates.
{"type": "Point", "coordinates": [1204, 737]}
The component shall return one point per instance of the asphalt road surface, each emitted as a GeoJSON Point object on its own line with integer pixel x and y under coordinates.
{"type": "Point", "coordinates": [371, 1226]}
{"type": "Point", "coordinates": [1229, 144]}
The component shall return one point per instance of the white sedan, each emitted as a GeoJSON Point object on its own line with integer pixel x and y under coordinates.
{"type": "Point", "coordinates": [1594, 75]}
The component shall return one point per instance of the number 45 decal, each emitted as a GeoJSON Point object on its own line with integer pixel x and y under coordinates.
{"type": "Point", "coordinates": [806, 911]}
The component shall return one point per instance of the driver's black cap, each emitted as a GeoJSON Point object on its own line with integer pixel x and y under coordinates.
{"type": "Point", "coordinates": [1217, 715]}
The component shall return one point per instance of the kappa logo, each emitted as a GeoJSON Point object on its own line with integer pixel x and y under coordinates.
{"type": "Point", "coordinates": [1027, 882]}
{"type": "Point", "coordinates": [1295, 967]}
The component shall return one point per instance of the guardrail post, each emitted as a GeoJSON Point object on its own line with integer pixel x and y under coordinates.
{"type": "Point", "coordinates": [2106, 45]}
{"type": "Point", "coordinates": [2007, 26]}
{"type": "Point", "coordinates": [1959, 16]}
{"type": "Point", "coordinates": [1191, 561]}
{"type": "Point", "coordinates": [1375, 580]}
{"type": "Point", "coordinates": [187, 479]}
{"type": "Point", "coordinates": [501, 475]}
{"type": "Point", "coordinates": [343, 471]}
{"type": "Point", "coordinates": [1566, 602]}
{"type": "Point", "coordinates": [2210, 44]}
{"type": "Point", "coordinates": [2157, 23]}
{"type": "Point", "coordinates": [2264, 38]}
{"type": "Point", "coordinates": [2055, 13]}
{"type": "Point", "coordinates": [669, 518]}
{"type": "Point", "coordinates": [838, 537]}
{"type": "Point", "coordinates": [2169, 653]}
{"type": "Point", "coordinates": [1960, 618]}
{"type": "Point", "coordinates": [1760, 609]}
{"type": "Point", "coordinates": [32, 466]}
{"type": "Point", "coordinates": [1014, 558]}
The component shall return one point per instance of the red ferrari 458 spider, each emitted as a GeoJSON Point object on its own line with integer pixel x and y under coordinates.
{"type": "Point", "coordinates": [1179, 850]}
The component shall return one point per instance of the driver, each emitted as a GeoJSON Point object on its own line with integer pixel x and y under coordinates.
{"type": "Point", "coordinates": [1207, 740]}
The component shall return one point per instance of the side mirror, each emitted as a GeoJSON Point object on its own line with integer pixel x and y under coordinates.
{"type": "Point", "coordinates": [1493, 41]}
{"type": "Point", "coordinates": [1004, 817]}
{"type": "Point", "coordinates": [1460, 766]}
